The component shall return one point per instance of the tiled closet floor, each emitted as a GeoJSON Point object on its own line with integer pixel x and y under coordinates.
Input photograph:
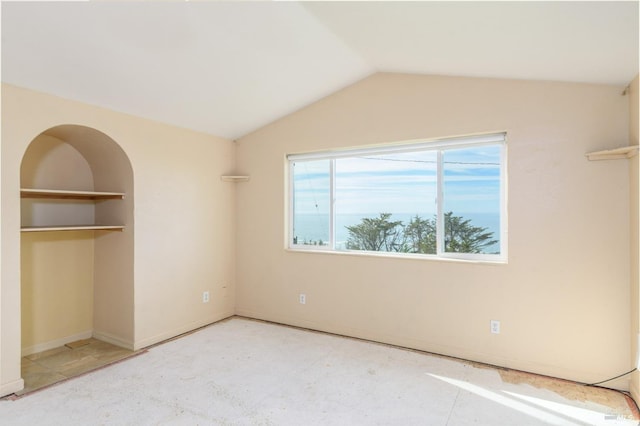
{"type": "Point", "coordinates": [55, 365]}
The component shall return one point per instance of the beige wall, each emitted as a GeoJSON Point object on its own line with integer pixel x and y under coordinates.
{"type": "Point", "coordinates": [52, 163]}
{"type": "Point", "coordinates": [184, 219]}
{"type": "Point", "coordinates": [634, 252]}
{"type": "Point", "coordinates": [562, 299]}
{"type": "Point", "coordinates": [56, 290]}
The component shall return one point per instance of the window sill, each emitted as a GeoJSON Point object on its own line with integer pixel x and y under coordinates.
{"type": "Point", "coordinates": [405, 256]}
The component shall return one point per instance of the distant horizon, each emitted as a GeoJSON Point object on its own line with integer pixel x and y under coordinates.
{"type": "Point", "coordinates": [315, 226]}
{"type": "Point", "coordinates": [399, 213]}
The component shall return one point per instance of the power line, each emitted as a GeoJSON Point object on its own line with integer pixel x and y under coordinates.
{"type": "Point", "coordinates": [428, 161]}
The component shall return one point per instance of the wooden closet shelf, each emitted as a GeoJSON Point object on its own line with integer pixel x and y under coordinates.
{"type": "Point", "coordinates": [59, 194]}
{"type": "Point", "coordinates": [50, 228]}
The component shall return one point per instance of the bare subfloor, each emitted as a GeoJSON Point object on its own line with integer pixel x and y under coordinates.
{"type": "Point", "coordinates": [55, 365]}
{"type": "Point", "coordinates": [246, 372]}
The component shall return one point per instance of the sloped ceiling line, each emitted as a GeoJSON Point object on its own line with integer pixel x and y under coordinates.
{"type": "Point", "coordinates": [229, 68]}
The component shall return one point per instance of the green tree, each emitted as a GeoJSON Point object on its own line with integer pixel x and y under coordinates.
{"type": "Point", "coordinates": [419, 235]}
{"type": "Point", "coordinates": [462, 237]}
{"type": "Point", "coordinates": [376, 234]}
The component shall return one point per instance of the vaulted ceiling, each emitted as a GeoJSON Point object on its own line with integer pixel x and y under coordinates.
{"type": "Point", "coordinates": [228, 68]}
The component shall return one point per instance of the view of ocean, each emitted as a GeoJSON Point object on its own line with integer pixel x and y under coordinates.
{"type": "Point", "coordinates": [315, 227]}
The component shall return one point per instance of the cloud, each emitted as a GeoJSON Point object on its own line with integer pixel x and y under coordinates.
{"type": "Point", "coordinates": [401, 182]}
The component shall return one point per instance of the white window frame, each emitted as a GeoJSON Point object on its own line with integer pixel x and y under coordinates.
{"type": "Point", "coordinates": [437, 145]}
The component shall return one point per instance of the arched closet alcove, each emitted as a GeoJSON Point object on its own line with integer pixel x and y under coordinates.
{"type": "Point", "coordinates": [76, 283]}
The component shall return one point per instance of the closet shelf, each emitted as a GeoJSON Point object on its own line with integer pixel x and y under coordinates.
{"type": "Point", "coordinates": [60, 194]}
{"type": "Point", "coordinates": [235, 178]}
{"type": "Point", "coordinates": [69, 195]}
{"type": "Point", "coordinates": [614, 154]}
{"type": "Point", "coordinates": [49, 228]}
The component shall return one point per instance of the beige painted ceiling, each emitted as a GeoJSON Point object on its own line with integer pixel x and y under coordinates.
{"type": "Point", "coordinates": [228, 68]}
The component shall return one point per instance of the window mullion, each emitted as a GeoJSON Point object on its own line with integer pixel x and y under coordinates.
{"type": "Point", "coordinates": [332, 200]}
{"type": "Point", "coordinates": [439, 205]}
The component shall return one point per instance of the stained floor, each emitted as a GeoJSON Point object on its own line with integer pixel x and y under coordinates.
{"type": "Point", "coordinates": [247, 372]}
{"type": "Point", "coordinates": [46, 368]}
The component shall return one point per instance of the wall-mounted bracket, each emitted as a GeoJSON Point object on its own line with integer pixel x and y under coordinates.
{"type": "Point", "coordinates": [614, 154]}
{"type": "Point", "coordinates": [235, 178]}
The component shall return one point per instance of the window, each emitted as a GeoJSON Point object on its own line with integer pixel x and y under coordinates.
{"type": "Point", "coordinates": [443, 198]}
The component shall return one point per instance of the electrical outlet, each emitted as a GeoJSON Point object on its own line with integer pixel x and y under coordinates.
{"type": "Point", "coordinates": [205, 297]}
{"type": "Point", "coordinates": [302, 299]}
{"type": "Point", "coordinates": [495, 327]}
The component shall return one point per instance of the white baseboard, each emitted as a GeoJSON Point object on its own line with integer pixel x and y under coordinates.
{"type": "Point", "coordinates": [41, 347]}
{"type": "Point", "coordinates": [11, 387]}
{"type": "Point", "coordinates": [114, 340]}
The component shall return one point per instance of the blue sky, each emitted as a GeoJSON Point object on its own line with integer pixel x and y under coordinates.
{"type": "Point", "coordinates": [402, 183]}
